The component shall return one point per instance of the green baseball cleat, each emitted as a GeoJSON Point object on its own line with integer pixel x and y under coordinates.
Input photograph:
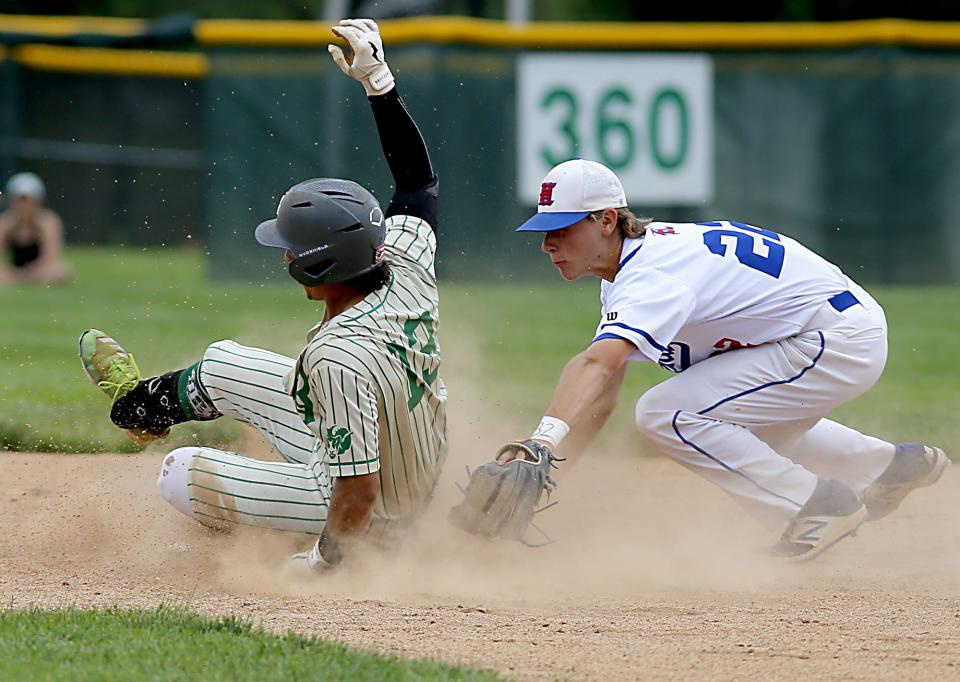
{"type": "Point", "coordinates": [114, 371]}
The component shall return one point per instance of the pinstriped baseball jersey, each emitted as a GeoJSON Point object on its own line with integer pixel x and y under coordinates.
{"type": "Point", "coordinates": [367, 382]}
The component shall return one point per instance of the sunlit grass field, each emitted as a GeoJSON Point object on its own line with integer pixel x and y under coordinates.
{"type": "Point", "coordinates": [517, 336]}
{"type": "Point", "coordinates": [166, 644]}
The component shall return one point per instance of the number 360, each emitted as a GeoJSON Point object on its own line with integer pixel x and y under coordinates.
{"type": "Point", "coordinates": [615, 137]}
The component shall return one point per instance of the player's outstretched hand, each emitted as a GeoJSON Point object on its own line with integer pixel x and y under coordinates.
{"type": "Point", "coordinates": [368, 65]}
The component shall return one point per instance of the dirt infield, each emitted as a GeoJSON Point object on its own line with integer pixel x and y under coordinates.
{"type": "Point", "coordinates": [656, 575]}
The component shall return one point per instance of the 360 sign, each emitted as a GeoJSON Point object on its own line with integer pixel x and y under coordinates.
{"type": "Point", "coordinates": [648, 117]}
{"type": "Point", "coordinates": [613, 133]}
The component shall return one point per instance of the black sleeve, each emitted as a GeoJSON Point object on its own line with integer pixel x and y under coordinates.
{"type": "Point", "coordinates": [406, 154]}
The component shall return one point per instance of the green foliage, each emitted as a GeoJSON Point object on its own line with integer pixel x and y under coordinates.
{"type": "Point", "coordinates": [167, 644]}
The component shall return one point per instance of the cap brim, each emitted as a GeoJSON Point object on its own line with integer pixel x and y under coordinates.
{"type": "Point", "coordinates": [267, 234]}
{"type": "Point", "coordinates": [547, 222]}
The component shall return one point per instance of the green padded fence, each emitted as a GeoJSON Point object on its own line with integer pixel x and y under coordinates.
{"type": "Point", "coordinates": [853, 152]}
{"type": "Point", "coordinates": [852, 146]}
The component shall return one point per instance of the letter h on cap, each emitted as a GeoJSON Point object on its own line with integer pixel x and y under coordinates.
{"type": "Point", "coordinates": [546, 193]}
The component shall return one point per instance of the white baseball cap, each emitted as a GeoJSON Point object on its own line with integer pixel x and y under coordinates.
{"type": "Point", "coordinates": [26, 185]}
{"type": "Point", "coordinates": [573, 190]}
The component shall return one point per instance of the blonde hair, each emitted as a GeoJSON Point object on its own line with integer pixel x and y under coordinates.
{"type": "Point", "coordinates": [630, 226]}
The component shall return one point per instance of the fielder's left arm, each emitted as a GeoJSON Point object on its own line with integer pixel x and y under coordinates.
{"type": "Point", "coordinates": [583, 432]}
{"type": "Point", "coordinates": [586, 391]}
{"type": "Point", "coordinates": [501, 497]}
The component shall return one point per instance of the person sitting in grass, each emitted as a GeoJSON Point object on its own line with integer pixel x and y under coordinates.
{"type": "Point", "coordinates": [31, 235]}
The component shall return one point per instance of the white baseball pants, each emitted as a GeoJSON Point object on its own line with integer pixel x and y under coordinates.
{"type": "Point", "coordinates": [753, 420]}
{"type": "Point", "coordinates": [214, 486]}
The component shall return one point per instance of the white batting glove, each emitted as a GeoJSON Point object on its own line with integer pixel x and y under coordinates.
{"type": "Point", "coordinates": [368, 65]}
{"type": "Point", "coordinates": [312, 560]}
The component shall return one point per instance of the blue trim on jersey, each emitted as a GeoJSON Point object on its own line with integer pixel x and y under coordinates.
{"type": "Point", "coordinates": [612, 336]}
{"type": "Point", "coordinates": [726, 466]}
{"type": "Point", "coordinates": [626, 260]}
{"type": "Point", "coordinates": [842, 301]}
{"type": "Point", "coordinates": [740, 395]}
{"type": "Point", "coordinates": [772, 383]}
{"type": "Point", "coordinates": [635, 331]}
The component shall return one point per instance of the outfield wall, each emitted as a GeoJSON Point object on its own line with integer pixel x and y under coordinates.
{"type": "Point", "coordinates": [843, 135]}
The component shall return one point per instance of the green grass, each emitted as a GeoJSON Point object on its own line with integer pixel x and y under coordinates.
{"type": "Point", "coordinates": [160, 306]}
{"type": "Point", "coordinates": [166, 644]}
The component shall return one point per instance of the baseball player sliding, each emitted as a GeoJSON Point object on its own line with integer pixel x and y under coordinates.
{"type": "Point", "coordinates": [766, 338]}
{"type": "Point", "coordinates": [360, 415]}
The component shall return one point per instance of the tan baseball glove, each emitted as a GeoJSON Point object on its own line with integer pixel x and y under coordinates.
{"type": "Point", "coordinates": [502, 495]}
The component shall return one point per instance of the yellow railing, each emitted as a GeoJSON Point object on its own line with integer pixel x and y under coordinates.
{"type": "Point", "coordinates": [596, 35]}
{"type": "Point", "coordinates": [448, 30]}
{"type": "Point", "coordinates": [65, 26]}
{"type": "Point", "coordinates": [96, 60]}
{"type": "Point", "coordinates": [534, 35]}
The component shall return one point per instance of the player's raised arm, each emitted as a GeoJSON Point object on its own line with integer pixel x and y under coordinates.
{"type": "Point", "coordinates": [403, 145]}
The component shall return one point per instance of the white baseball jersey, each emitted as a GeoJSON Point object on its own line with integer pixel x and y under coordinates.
{"type": "Point", "coordinates": [367, 383]}
{"type": "Point", "coordinates": [806, 339]}
{"type": "Point", "coordinates": [686, 291]}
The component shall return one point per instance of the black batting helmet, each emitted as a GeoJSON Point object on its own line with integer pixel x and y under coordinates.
{"type": "Point", "coordinates": [334, 228]}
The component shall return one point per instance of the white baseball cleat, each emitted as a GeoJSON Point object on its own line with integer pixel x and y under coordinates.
{"type": "Point", "coordinates": [913, 466]}
{"type": "Point", "coordinates": [832, 513]}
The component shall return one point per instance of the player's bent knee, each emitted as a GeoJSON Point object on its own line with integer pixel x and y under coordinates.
{"type": "Point", "coordinates": [218, 348]}
{"type": "Point", "coordinates": [174, 479]}
{"type": "Point", "coordinates": [654, 412]}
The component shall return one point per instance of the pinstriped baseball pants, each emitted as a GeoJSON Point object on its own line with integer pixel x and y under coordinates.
{"type": "Point", "coordinates": [216, 487]}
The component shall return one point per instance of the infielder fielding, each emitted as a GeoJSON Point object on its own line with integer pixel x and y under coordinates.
{"type": "Point", "coordinates": [766, 338]}
{"type": "Point", "coordinates": [360, 415]}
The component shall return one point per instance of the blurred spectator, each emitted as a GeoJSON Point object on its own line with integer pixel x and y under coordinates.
{"type": "Point", "coordinates": [31, 236]}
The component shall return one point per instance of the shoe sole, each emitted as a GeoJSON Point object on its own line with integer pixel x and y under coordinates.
{"type": "Point", "coordinates": [82, 362]}
{"type": "Point", "coordinates": [842, 530]}
{"type": "Point", "coordinates": [941, 466]}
